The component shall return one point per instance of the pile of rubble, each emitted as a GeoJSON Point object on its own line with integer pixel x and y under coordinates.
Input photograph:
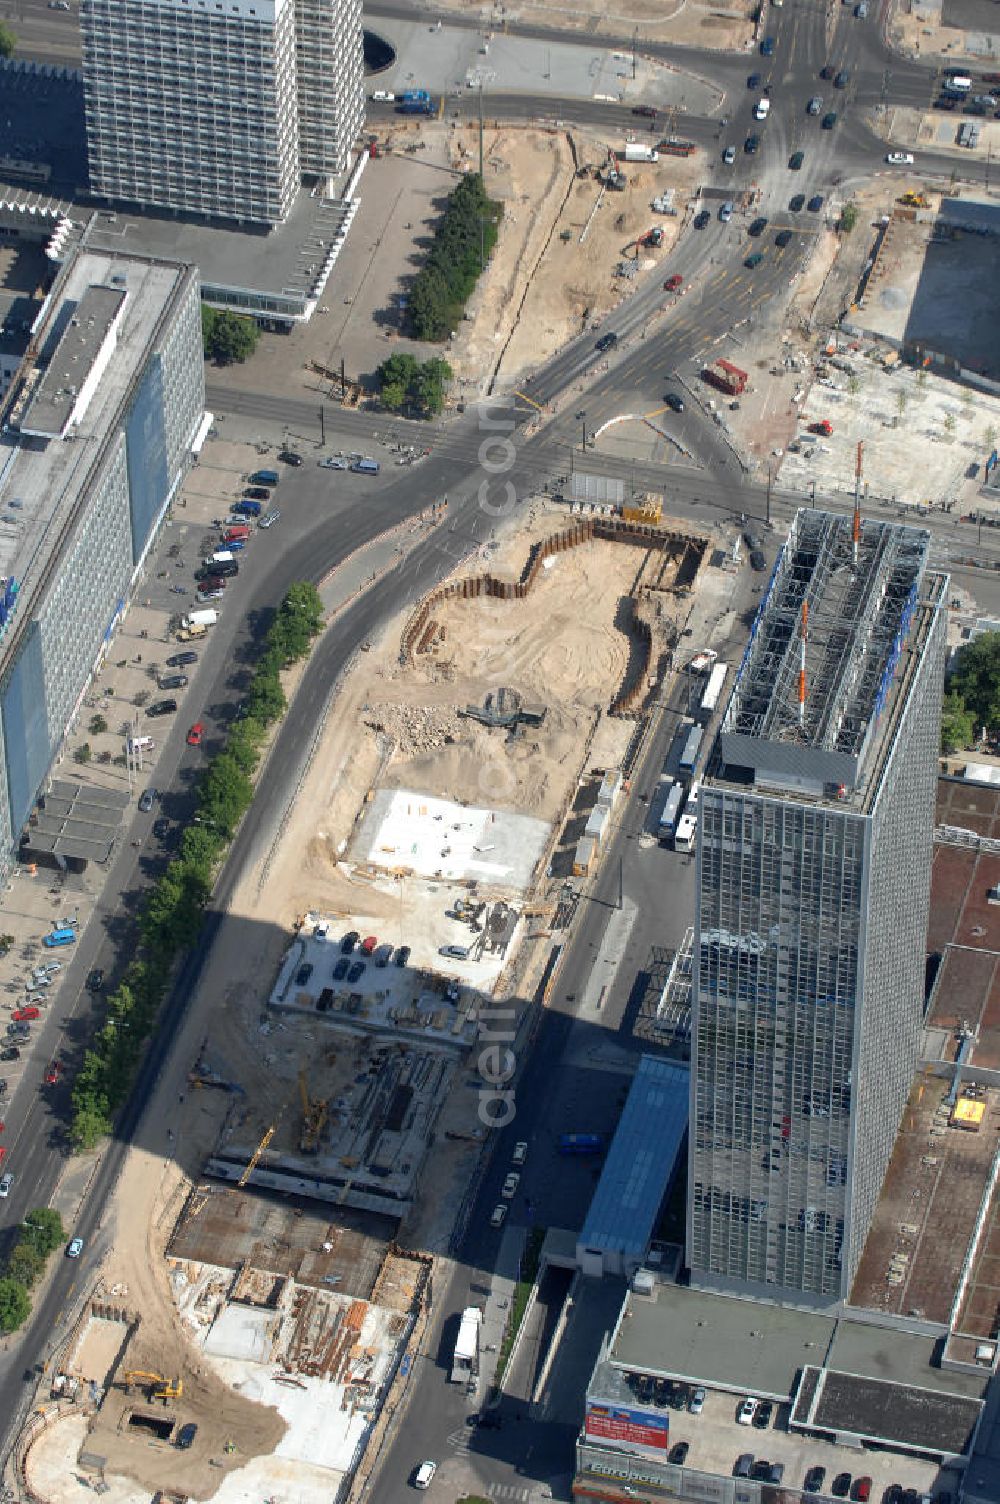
{"type": "Point", "coordinates": [416, 728]}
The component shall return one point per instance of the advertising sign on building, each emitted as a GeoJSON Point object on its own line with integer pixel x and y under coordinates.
{"type": "Point", "coordinates": [641, 1431]}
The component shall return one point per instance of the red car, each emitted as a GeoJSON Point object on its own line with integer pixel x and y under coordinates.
{"type": "Point", "coordinates": [53, 1073]}
{"type": "Point", "coordinates": [368, 944]}
{"type": "Point", "coordinates": [672, 283]}
{"type": "Point", "coordinates": [195, 734]}
{"type": "Point", "coordinates": [22, 1015]}
{"type": "Point", "coordinates": [825, 428]}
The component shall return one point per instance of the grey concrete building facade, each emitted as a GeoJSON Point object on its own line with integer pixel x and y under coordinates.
{"type": "Point", "coordinates": [814, 860]}
{"type": "Point", "coordinates": [218, 110]}
{"type": "Point", "coordinates": [93, 464]}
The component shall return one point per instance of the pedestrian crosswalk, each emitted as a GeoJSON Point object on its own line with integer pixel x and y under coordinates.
{"type": "Point", "coordinates": [508, 1491]}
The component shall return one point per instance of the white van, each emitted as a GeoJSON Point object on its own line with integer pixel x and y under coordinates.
{"type": "Point", "coordinates": [224, 556]}
{"type": "Point", "coordinates": [424, 1474]}
{"type": "Point", "coordinates": [763, 109]}
{"type": "Point", "coordinates": [960, 82]}
{"type": "Point", "coordinates": [141, 744]}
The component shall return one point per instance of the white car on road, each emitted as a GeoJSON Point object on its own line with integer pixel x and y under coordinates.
{"type": "Point", "coordinates": [900, 159]}
{"type": "Point", "coordinates": [510, 1185]}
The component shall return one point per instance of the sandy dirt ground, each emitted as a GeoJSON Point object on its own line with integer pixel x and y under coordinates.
{"type": "Point", "coordinates": [561, 646]}
{"type": "Point", "coordinates": [726, 27]}
{"type": "Point", "coordinates": [917, 30]}
{"type": "Point", "coordinates": [553, 270]}
{"type": "Point", "coordinates": [231, 1429]}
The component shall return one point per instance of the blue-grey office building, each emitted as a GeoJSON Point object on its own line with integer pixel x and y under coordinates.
{"type": "Point", "coordinates": [814, 861]}
{"type": "Point", "coordinates": [97, 431]}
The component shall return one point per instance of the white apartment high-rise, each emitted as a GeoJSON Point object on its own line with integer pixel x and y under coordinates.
{"type": "Point", "coordinates": [218, 108]}
{"type": "Point", "coordinates": [814, 857]}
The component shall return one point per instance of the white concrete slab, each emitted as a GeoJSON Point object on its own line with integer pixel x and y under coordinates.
{"type": "Point", "coordinates": [437, 838]}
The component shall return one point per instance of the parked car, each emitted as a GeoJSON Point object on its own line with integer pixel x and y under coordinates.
{"type": "Point", "coordinates": [815, 1478]}
{"type": "Point", "coordinates": [726, 212]}
{"type": "Point", "coordinates": [758, 226]}
{"type": "Point", "coordinates": [762, 1415]}
{"type": "Point", "coordinates": [456, 952]}
{"type": "Point", "coordinates": [673, 401]}
{"type": "Point", "coordinates": [10, 1052]}
{"type": "Point", "coordinates": [678, 1452]}
{"type": "Point", "coordinates": [402, 955]}
{"type": "Point", "coordinates": [797, 202]}
{"type": "Point", "coordinates": [841, 1486]}
{"type": "Point", "coordinates": [356, 972]}
{"type": "Point", "coordinates": [498, 1214]}
{"type": "Point", "coordinates": [742, 1465]}
{"type": "Point", "coordinates": [753, 261]}
{"type": "Point", "coordinates": [815, 204]}
{"type": "Point", "coordinates": [510, 1185]}
{"type": "Point", "coordinates": [701, 219]}
{"type": "Point", "coordinates": [195, 735]}
{"type": "Point", "coordinates": [349, 941]}
{"type": "Point", "coordinates": [783, 238]}
{"type": "Point", "coordinates": [696, 1403]}
{"type": "Point", "coordinates": [186, 1435]}
{"type": "Point", "coordinates": [368, 944]}
{"type": "Point", "coordinates": [795, 161]}
{"type": "Point", "coordinates": [270, 518]}
{"type": "Point", "coordinates": [75, 1248]}
{"type": "Point", "coordinates": [289, 457]}
{"type": "Point", "coordinates": [172, 681]}
{"type": "Point", "coordinates": [177, 660]}
{"type": "Point", "coordinates": [767, 47]}
{"type": "Point", "coordinates": [6, 1182]}
{"type": "Point", "coordinates": [25, 1015]}
{"type": "Point", "coordinates": [775, 1472]}
{"type": "Point", "coordinates": [645, 110]}
{"type": "Point", "coordinates": [899, 158]}
{"type": "Point", "coordinates": [147, 799]}
{"type": "Point", "coordinates": [861, 1490]}
{"type": "Point", "coordinates": [161, 707]}
{"type": "Point", "coordinates": [383, 955]}
{"type": "Point", "coordinates": [303, 974]}
{"type": "Point", "coordinates": [745, 1412]}
{"type": "Point", "coordinates": [341, 969]}
{"type": "Point", "coordinates": [332, 462]}
{"type": "Point", "coordinates": [520, 1153]}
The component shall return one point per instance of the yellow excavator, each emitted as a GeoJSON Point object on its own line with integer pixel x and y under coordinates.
{"type": "Point", "coordinates": [159, 1387]}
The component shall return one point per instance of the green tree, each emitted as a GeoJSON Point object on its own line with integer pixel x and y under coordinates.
{"type": "Point", "coordinates": [463, 240]}
{"type": "Point", "coordinates": [429, 386]}
{"type": "Point", "coordinates": [25, 1264]}
{"type": "Point", "coordinates": [395, 378]}
{"type": "Point", "coordinates": [976, 679]}
{"type": "Point", "coordinates": [8, 41]}
{"type": "Point", "coordinates": [83, 753]}
{"type": "Point", "coordinates": [950, 423]}
{"type": "Point", "coordinates": [227, 337]}
{"type": "Point", "coordinates": [266, 701]}
{"type": "Point", "coordinates": [201, 848]}
{"type": "Point", "coordinates": [97, 725]}
{"type": "Point", "coordinates": [958, 728]}
{"type": "Point", "coordinates": [43, 1229]}
{"type": "Point", "coordinates": [15, 1305]}
{"type": "Point", "coordinates": [90, 1124]}
{"type": "Point", "coordinates": [848, 218]}
{"type": "Point", "coordinates": [225, 793]}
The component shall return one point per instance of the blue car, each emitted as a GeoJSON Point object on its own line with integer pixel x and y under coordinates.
{"type": "Point", "coordinates": [767, 47]}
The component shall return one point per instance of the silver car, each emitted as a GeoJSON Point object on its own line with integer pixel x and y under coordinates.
{"type": "Point", "coordinates": [726, 212]}
{"type": "Point", "coordinates": [815, 105]}
{"type": "Point", "coordinates": [729, 155]}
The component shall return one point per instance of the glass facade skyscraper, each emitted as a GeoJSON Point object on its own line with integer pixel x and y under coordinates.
{"type": "Point", "coordinates": [814, 860]}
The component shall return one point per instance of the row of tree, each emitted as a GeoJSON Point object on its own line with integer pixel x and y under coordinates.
{"type": "Point", "coordinates": [227, 337]}
{"type": "Point", "coordinates": [38, 1236]}
{"type": "Point", "coordinates": [972, 693]}
{"type": "Point", "coordinates": [463, 240]}
{"type": "Point", "coordinates": [413, 387]}
{"type": "Point", "coordinates": [171, 917]}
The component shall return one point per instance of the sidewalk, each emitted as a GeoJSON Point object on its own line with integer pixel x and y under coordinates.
{"type": "Point", "coordinates": [499, 1303]}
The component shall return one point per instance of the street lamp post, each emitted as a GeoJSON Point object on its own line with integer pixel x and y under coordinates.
{"type": "Point", "coordinates": [583, 444]}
